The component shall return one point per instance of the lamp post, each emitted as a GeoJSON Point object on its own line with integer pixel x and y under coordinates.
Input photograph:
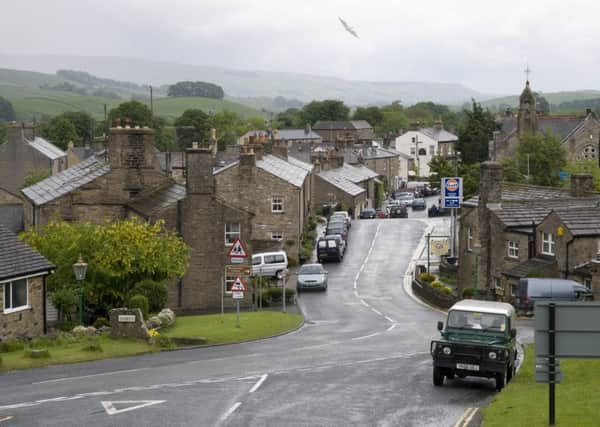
{"type": "Point", "coordinates": [80, 268]}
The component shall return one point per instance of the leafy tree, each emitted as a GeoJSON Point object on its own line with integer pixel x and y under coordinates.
{"type": "Point", "coordinates": [541, 103]}
{"type": "Point", "coordinates": [440, 168]}
{"type": "Point", "coordinates": [511, 171]}
{"type": "Point", "coordinates": [192, 126]}
{"type": "Point", "coordinates": [585, 166]}
{"type": "Point", "coordinates": [2, 133]}
{"type": "Point", "coordinates": [206, 90]}
{"type": "Point", "coordinates": [546, 158]}
{"type": "Point", "coordinates": [373, 115]}
{"type": "Point", "coordinates": [290, 118]}
{"type": "Point", "coordinates": [470, 174]}
{"type": "Point", "coordinates": [7, 112]}
{"type": "Point", "coordinates": [329, 109]}
{"type": "Point", "coordinates": [119, 254]}
{"type": "Point", "coordinates": [394, 122]}
{"type": "Point", "coordinates": [60, 131]}
{"type": "Point", "coordinates": [36, 175]}
{"type": "Point", "coordinates": [83, 123]}
{"type": "Point", "coordinates": [139, 114]}
{"type": "Point", "coordinates": [474, 134]}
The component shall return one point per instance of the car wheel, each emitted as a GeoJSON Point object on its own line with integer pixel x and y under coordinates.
{"type": "Point", "coordinates": [325, 288]}
{"type": "Point", "coordinates": [450, 375]}
{"type": "Point", "coordinates": [297, 290]}
{"type": "Point", "coordinates": [512, 371]}
{"type": "Point", "coordinates": [438, 377]}
{"type": "Point", "coordinates": [501, 380]}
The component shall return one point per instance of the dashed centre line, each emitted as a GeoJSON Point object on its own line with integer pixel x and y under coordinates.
{"type": "Point", "coordinates": [231, 410]}
{"type": "Point", "coordinates": [258, 383]}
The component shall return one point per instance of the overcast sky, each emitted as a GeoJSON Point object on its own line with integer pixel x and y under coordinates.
{"type": "Point", "coordinates": [482, 44]}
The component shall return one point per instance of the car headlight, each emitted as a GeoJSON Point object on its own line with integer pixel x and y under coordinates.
{"type": "Point", "coordinates": [447, 351]}
{"type": "Point", "coordinates": [492, 355]}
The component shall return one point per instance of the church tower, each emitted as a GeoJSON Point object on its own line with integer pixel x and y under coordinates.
{"type": "Point", "coordinates": [527, 117]}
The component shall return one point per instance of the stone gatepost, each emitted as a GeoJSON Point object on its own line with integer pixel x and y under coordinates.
{"type": "Point", "coordinates": [126, 323]}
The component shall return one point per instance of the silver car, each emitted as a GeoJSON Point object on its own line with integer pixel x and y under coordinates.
{"type": "Point", "coordinates": [311, 276]}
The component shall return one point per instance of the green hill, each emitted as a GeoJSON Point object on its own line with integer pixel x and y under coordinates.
{"type": "Point", "coordinates": [172, 107]}
{"type": "Point", "coordinates": [554, 98]}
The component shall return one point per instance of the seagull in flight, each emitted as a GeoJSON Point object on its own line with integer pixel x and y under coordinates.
{"type": "Point", "coordinates": [348, 28]}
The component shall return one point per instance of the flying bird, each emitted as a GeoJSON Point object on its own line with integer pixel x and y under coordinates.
{"type": "Point", "coordinates": [348, 28]}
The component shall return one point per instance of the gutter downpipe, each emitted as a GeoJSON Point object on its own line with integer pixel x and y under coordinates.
{"type": "Point", "coordinates": [567, 258]}
{"type": "Point", "coordinates": [44, 298]}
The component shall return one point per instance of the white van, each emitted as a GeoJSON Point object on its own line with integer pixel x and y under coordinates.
{"type": "Point", "coordinates": [270, 264]}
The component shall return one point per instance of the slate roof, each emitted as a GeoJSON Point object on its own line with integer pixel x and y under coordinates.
{"type": "Point", "coordinates": [294, 134]}
{"type": "Point", "coordinates": [337, 179]}
{"type": "Point", "coordinates": [357, 174]}
{"type": "Point", "coordinates": [341, 125]}
{"type": "Point", "coordinates": [581, 221]}
{"type": "Point", "coordinates": [280, 168]}
{"type": "Point", "coordinates": [306, 166]}
{"type": "Point", "coordinates": [48, 149]}
{"type": "Point", "coordinates": [68, 180]}
{"type": "Point", "coordinates": [439, 134]}
{"type": "Point", "coordinates": [17, 258]}
{"type": "Point", "coordinates": [369, 153]}
{"type": "Point", "coordinates": [561, 126]}
{"type": "Point", "coordinates": [159, 199]}
{"type": "Point", "coordinates": [526, 267]}
{"type": "Point", "coordinates": [83, 152]}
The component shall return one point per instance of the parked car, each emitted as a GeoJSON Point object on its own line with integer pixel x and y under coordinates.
{"type": "Point", "coordinates": [269, 264]}
{"type": "Point", "coordinates": [437, 211]}
{"type": "Point", "coordinates": [344, 215]}
{"type": "Point", "coordinates": [533, 289]}
{"type": "Point", "coordinates": [367, 213]}
{"type": "Point", "coordinates": [399, 211]}
{"type": "Point", "coordinates": [339, 228]}
{"type": "Point", "coordinates": [381, 213]}
{"type": "Point", "coordinates": [311, 276]}
{"type": "Point", "coordinates": [479, 340]}
{"type": "Point", "coordinates": [405, 197]}
{"type": "Point", "coordinates": [419, 204]}
{"type": "Point", "coordinates": [331, 248]}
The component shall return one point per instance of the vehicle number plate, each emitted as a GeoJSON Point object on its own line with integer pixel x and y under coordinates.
{"type": "Point", "coordinates": [467, 367]}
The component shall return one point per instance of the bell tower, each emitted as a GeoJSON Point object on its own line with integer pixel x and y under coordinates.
{"type": "Point", "coordinates": [527, 117]}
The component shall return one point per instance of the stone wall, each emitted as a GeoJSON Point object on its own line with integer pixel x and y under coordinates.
{"type": "Point", "coordinates": [428, 294]}
{"type": "Point", "coordinates": [28, 322]}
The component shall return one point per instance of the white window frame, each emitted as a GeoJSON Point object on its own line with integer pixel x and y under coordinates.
{"type": "Point", "coordinates": [469, 239]}
{"type": "Point", "coordinates": [230, 236]}
{"type": "Point", "coordinates": [12, 309]}
{"type": "Point", "coordinates": [548, 243]}
{"type": "Point", "coordinates": [513, 249]}
{"type": "Point", "coordinates": [277, 235]}
{"type": "Point", "coordinates": [277, 205]}
{"type": "Point", "coordinates": [229, 281]}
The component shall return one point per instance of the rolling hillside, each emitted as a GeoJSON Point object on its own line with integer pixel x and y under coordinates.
{"type": "Point", "coordinates": [554, 98]}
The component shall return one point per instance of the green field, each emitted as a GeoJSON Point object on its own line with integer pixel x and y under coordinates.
{"type": "Point", "coordinates": [554, 98]}
{"type": "Point", "coordinates": [173, 107]}
{"type": "Point", "coordinates": [525, 403]}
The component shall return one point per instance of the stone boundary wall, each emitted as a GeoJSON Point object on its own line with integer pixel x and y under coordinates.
{"type": "Point", "coordinates": [431, 296]}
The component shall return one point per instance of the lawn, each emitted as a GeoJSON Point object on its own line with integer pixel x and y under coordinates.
{"type": "Point", "coordinates": [220, 328]}
{"type": "Point", "coordinates": [525, 403]}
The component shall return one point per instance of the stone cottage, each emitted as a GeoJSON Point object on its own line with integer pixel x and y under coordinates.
{"type": "Point", "coordinates": [23, 274]}
{"type": "Point", "coordinates": [510, 231]}
{"type": "Point", "coordinates": [351, 132]}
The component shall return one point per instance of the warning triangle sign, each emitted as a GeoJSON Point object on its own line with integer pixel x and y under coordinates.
{"type": "Point", "coordinates": [237, 250]}
{"type": "Point", "coordinates": [238, 285]}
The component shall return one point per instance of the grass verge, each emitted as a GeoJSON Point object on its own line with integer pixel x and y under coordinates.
{"type": "Point", "coordinates": [525, 403]}
{"type": "Point", "coordinates": [220, 328]}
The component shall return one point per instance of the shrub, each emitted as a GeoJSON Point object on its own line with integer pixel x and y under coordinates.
{"type": "Point", "coordinates": [65, 300]}
{"type": "Point", "coordinates": [292, 262]}
{"type": "Point", "coordinates": [305, 254]}
{"type": "Point", "coordinates": [164, 342]}
{"type": "Point", "coordinates": [437, 284]}
{"type": "Point", "coordinates": [11, 345]}
{"type": "Point", "coordinates": [100, 322]}
{"type": "Point", "coordinates": [141, 302]}
{"type": "Point", "coordinates": [311, 223]}
{"type": "Point", "coordinates": [66, 325]}
{"type": "Point", "coordinates": [468, 293]}
{"type": "Point", "coordinates": [426, 277]}
{"type": "Point", "coordinates": [156, 292]}
{"type": "Point", "coordinates": [92, 344]}
{"type": "Point", "coordinates": [446, 290]}
{"type": "Point", "coordinates": [270, 295]}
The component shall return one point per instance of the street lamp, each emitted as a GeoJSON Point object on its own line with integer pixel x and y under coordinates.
{"type": "Point", "coordinates": [80, 268]}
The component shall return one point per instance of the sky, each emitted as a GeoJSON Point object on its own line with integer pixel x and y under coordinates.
{"type": "Point", "coordinates": [485, 45]}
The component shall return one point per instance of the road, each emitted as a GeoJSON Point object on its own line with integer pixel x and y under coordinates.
{"type": "Point", "coordinates": [361, 359]}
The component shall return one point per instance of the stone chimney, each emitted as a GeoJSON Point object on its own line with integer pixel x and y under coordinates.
{"type": "Point", "coordinates": [199, 170]}
{"type": "Point", "coordinates": [20, 131]}
{"type": "Point", "coordinates": [247, 159]}
{"type": "Point", "coordinates": [490, 185]}
{"type": "Point", "coordinates": [132, 150]}
{"type": "Point", "coordinates": [259, 151]}
{"type": "Point", "coordinates": [336, 159]}
{"type": "Point", "coordinates": [317, 166]}
{"type": "Point", "coordinates": [581, 184]}
{"type": "Point", "coordinates": [280, 149]}
{"type": "Point", "coordinates": [307, 129]}
{"type": "Point", "coordinates": [438, 124]}
{"type": "Point", "coordinates": [213, 141]}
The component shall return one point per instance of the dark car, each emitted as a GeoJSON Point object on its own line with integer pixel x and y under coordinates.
{"type": "Point", "coordinates": [437, 211]}
{"type": "Point", "coordinates": [368, 213]}
{"type": "Point", "coordinates": [536, 289]}
{"type": "Point", "coordinates": [339, 228]}
{"type": "Point", "coordinates": [330, 248]}
{"type": "Point", "coordinates": [399, 211]}
{"type": "Point", "coordinates": [419, 204]}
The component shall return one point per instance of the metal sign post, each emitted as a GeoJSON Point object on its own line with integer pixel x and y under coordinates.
{"type": "Point", "coordinates": [284, 275]}
{"type": "Point", "coordinates": [452, 193]}
{"type": "Point", "coordinates": [551, 359]}
{"type": "Point", "coordinates": [237, 317]}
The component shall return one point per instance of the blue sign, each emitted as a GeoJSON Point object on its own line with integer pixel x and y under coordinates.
{"type": "Point", "coordinates": [563, 175]}
{"type": "Point", "coordinates": [451, 192]}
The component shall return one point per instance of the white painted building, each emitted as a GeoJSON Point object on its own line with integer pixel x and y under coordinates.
{"type": "Point", "coordinates": [421, 145]}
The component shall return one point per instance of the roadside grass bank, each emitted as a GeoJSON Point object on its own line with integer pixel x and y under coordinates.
{"type": "Point", "coordinates": [212, 329]}
{"type": "Point", "coordinates": [221, 329]}
{"type": "Point", "coordinates": [525, 403]}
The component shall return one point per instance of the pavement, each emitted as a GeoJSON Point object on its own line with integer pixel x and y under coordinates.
{"type": "Point", "coordinates": [361, 359]}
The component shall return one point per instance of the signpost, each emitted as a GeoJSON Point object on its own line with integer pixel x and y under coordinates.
{"type": "Point", "coordinates": [452, 193]}
{"type": "Point", "coordinates": [563, 329]}
{"type": "Point", "coordinates": [237, 255]}
{"type": "Point", "coordinates": [237, 293]}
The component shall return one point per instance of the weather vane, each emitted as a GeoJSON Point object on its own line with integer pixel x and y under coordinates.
{"type": "Point", "coordinates": [527, 72]}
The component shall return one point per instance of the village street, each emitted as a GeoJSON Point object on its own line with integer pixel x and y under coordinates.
{"type": "Point", "coordinates": [361, 359]}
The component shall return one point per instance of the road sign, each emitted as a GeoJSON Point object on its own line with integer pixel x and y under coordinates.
{"type": "Point", "coordinates": [237, 295]}
{"type": "Point", "coordinates": [238, 250]}
{"type": "Point", "coordinates": [577, 329]}
{"type": "Point", "coordinates": [544, 377]}
{"type": "Point", "coordinates": [237, 270]}
{"type": "Point", "coordinates": [440, 247]}
{"type": "Point", "coordinates": [238, 285]}
{"type": "Point", "coordinates": [452, 191]}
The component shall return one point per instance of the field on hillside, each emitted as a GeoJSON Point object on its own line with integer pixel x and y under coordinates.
{"type": "Point", "coordinates": [31, 103]}
{"type": "Point", "coordinates": [553, 98]}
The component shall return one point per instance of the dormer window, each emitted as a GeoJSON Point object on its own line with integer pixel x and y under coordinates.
{"type": "Point", "coordinates": [548, 243]}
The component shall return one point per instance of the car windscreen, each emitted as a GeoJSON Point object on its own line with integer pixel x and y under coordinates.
{"type": "Point", "coordinates": [476, 320]}
{"type": "Point", "coordinates": [311, 269]}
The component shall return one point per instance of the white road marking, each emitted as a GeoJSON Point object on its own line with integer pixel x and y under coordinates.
{"type": "Point", "coordinates": [10, 417]}
{"type": "Point", "coordinates": [362, 301]}
{"type": "Point", "coordinates": [258, 383]}
{"type": "Point", "coordinates": [111, 410]}
{"type": "Point", "coordinates": [57, 380]}
{"type": "Point", "coordinates": [391, 327]}
{"type": "Point", "coordinates": [231, 411]}
{"type": "Point", "coordinates": [389, 319]}
{"type": "Point", "coordinates": [366, 336]}
{"type": "Point", "coordinates": [374, 310]}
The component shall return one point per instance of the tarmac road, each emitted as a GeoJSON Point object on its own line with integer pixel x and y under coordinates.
{"type": "Point", "coordinates": [362, 359]}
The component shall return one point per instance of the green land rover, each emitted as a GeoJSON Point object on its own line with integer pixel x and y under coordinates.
{"type": "Point", "coordinates": [479, 340]}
